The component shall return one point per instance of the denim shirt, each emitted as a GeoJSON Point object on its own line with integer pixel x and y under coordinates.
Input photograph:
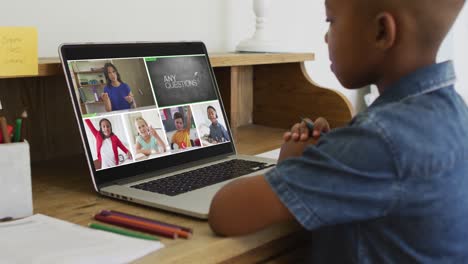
{"type": "Point", "coordinates": [392, 186]}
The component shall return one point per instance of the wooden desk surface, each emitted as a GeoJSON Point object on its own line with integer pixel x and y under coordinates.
{"type": "Point", "coordinates": [63, 189]}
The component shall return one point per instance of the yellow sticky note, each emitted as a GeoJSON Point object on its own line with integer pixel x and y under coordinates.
{"type": "Point", "coordinates": [18, 51]}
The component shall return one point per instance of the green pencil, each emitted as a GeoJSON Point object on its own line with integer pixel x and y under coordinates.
{"type": "Point", "coordinates": [122, 231]}
{"type": "Point", "coordinates": [17, 133]}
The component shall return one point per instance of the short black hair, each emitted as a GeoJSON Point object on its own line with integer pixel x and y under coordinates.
{"type": "Point", "coordinates": [178, 115]}
{"type": "Point", "coordinates": [211, 107]}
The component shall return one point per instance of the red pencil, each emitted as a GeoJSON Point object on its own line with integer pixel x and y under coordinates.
{"type": "Point", "coordinates": [117, 222]}
{"type": "Point", "coordinates": [150, 226]}
{"type": "Point", "coordinates": [178, 231]}
{"type": "Point", "coordinates": [112, 212]}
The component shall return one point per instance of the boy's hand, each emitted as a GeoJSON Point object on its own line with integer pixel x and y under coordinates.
{"type": "Point", "coordinates": [320, 126]}
{"type": "Point", "coordinates": [292, 149]}
{"type": "Point", "coordinates": [300, 131]}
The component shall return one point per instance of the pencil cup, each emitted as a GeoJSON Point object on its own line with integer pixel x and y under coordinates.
{"type": "Point", "coordinates": [15, 180]}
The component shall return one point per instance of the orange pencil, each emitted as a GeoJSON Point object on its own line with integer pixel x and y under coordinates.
{"type": "Point", "coordinates": [152, 226]}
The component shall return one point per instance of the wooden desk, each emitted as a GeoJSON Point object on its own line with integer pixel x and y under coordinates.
{"type": "Point", "coordinates": [264, 94]}
{"type": "Point", "coordinates": [63, 189]}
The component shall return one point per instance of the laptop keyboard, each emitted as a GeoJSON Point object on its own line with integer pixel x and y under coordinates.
{"type": "Point", "coordinates": [199, 178]}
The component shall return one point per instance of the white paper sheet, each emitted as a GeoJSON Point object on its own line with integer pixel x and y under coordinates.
{"type": "Point", "coordinates": [273, 154]}
{"type": "Point", "coordinates": [43, 239]}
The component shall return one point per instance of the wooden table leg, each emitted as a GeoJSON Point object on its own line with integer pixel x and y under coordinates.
{"type": "Point", "coordinates": [241, 96]}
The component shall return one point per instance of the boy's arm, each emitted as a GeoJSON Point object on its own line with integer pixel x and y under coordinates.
{"type": "Point", "coordinates": [245, 206]}
{"type": "Point", "coordinates": [249, 204]}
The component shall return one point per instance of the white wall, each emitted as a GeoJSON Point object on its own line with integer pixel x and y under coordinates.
{"type": "Point", "coordinates": [220, 24]}
{"type": "Point", "coordinates": [117, 20]}
{"type": "Point", "coordinates": [299, 24]}
{"type": "Point", "coordinates": [456, 45]}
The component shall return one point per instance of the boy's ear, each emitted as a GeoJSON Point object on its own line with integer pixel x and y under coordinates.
{"type": "Point", "coordinates": [385, 34]}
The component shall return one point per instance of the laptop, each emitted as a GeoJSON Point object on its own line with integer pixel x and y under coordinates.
{"type": "Point", "coordinates": [153, 125]}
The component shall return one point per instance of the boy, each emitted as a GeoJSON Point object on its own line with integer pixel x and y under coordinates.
{"type": "Point", "coordinates": [392, 185]}
{"type": "Point", "coordinates": [182, 136]}
{"type": "Point", "coordinates": [217, 132]}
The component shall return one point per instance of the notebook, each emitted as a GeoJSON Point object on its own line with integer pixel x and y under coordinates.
{"type": "Point", "coordinates": [153, 124]}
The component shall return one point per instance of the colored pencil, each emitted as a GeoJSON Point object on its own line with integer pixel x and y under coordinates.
{"type": "Point", "coordinates": [117, 222]}
{"type": "Point", "coordinates": [149, 226]}
{"type": "Point", "coordinates": [18, 129]}
{"type": "Point", "coordinates": [149, 220]}
{"type": "Point", "coordinates": [310, 125]}
{"type": "Point", "coordinates": [4, 127]}
{"type": "Point", "coordinates": [134, 226]}
{"type": "Point", "coordinates": [122, 231]}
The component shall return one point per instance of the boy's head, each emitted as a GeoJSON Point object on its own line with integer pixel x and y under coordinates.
{"type": "Point", "coordinates": [178, 121]}
{"type": "Point", "coordinates": [380, 41]}
{"type": "Point", "coordinates": [212, 115]}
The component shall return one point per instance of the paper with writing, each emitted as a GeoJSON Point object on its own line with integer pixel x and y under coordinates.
{"type": "Point", "coordinates": [18, 51]}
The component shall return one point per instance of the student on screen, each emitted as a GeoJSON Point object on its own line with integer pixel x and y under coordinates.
{"type": "Point", "coordinates": [107, 144]}
{"type": "Point", "coordinates": [117, 94]}
{"type": "Point", "coordinates": [217, 132]}
{"type": "Point", "coordinates": [148, 140]}
{"type": "Point", "coordinates": [182, 136]}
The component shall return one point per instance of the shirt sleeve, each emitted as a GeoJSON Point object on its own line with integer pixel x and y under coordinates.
{"type": "Point", "coordinates": [94, 131]}
{"type": "Point", "coordinates": [348, 176]}
{"type": "Point", "coordinates": [120, 144]}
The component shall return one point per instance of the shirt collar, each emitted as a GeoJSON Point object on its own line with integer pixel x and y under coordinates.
{"type": "Point", "coordinates": [424, 80]}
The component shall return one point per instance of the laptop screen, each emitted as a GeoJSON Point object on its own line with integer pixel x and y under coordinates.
{"type": "Point", "coordinates": [148, 112]}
